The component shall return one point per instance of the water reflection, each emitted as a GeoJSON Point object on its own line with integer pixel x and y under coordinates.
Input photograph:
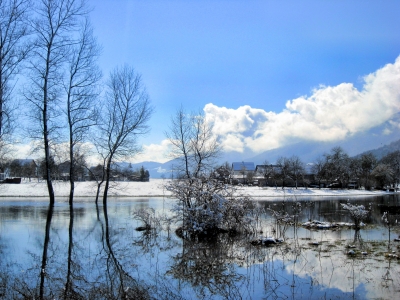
{"type": "Point", "coordinates": [43, 268]}
{"type": "Point", "coordinates": [209, 266]}
{"type": "Point", "coordinates": [84, 251]}
{"type": "Point", "coordinates": [120, 283]}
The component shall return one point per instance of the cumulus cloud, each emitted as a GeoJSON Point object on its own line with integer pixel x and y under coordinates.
{"type": "Point", "coordinates": [23, 150]}
{"type": "Point", "coordinates": [330, 113]}
{"type": "Point", "coordinates": [154, 152]}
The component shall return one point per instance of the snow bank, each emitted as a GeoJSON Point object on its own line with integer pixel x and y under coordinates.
{"type": "Point", "coordinates": [155, 188]}
{"type": "Point", "coordinates": [85, 189]}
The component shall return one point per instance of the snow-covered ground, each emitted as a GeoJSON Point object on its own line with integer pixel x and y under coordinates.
{"type": "Point", "coordinates": [156, 187]}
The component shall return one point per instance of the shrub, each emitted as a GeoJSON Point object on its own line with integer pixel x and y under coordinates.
{"type": "Point", "coordinates": [358, 213]}
{"type": "Point", "coordinates": [206, 206]}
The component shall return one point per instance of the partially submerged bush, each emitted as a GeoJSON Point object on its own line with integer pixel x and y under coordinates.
{"type": "Point", "coordinates": [389, 221]}
{"type": "Point", "coordinates": [283, 219]}
{"type": "Point", "coordinates": [358, 213]}
{"type": "Point", "coordinates": [148, 217]}
{"type": "Point", "coordinates": [206, 206]}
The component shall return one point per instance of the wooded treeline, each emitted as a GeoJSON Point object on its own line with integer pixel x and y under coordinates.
{"type": "Point", "coordinates": [335, 169]}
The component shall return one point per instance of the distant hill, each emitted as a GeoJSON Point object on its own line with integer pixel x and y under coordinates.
{"type": "Point", "coordinates": [384, 150]}
{"type": "Point", "coordinates": [156, 169]}
{"type": "Point", "coordinates": [310, 151]}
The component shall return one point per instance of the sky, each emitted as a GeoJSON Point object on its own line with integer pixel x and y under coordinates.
{"type": "Point", "coordinates": [266, 73]}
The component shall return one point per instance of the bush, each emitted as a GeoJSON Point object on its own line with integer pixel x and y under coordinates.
{"type": "Point", "coordinates": [206, 206]}
{"type": "Point", "coordinates": [357, 212]}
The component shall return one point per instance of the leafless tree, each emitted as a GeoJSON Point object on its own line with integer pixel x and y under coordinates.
{"type": "Point", "coordinates": [337, 168]}
{"type": "Point", "coordinates": [14, 48]}
{"type": "Point", "coordinates": [127, 110]}
{"type": "Point", "coordinates": [179, 135]}
{"type": "Point", "coordinates": [368, 162]}
{"type": "Point", "coordinates": [383, 175]}
{"type": "Point", "coordinates": [319, 170]}
{"type": "Point", "coordinates": [296, 169]}
{"type": "Point", "coordinates": [193, 143]}
{"type": "Point", "coordinates": [267, 170]}
{"type": "Point", "coordinates": [55, 30]}
{"type": "Point", "coordinates": [393, 159]}
{"type": "Point", "coordinates": [82, 91]}
{"type": "Point", "coordinates": [283, 164]}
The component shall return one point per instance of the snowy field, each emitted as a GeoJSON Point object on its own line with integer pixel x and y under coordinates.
{"type": "Point", "coordinates": [156, 188]}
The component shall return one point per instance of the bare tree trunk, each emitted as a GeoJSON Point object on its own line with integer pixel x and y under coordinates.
{"type": "Point", "coordinates": [45, 249]}
{"type": "Point", "coordinates": [81, 92]}
{"type": "Point", "coordinates": [55, 29]}
{"type": "Point", "coordinates": [107, 180]}
{"type": "Point", "coordinates": [127, 112]}
{"type": "Point", "coordinates": [46, 130]}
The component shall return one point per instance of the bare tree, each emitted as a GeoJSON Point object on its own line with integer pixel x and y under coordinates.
{"type": "Point", "coordinates": [368, 163]}
{"type": "Point", "coordinates": [127, 111]}
{"type": "Point", "coordinates": [393, 159]}
{"type": "Point", "coordinates": [283, 164]}
{"type": "Point", "coordinates": [383, 175]}
{"type": "Point", "coordinates": [269, 172]}
{"type": "Point", "coordinates": [296, 169]}
{"type": "Point", "coordinates": [192, 143]}
{"type": "Point", "coordinates": [179, 135]}
{"type": "Point", "coordinates": [55, 28]}
{"type": "Point", "coordinates": [81, 89]}
{"type": "Point", "coordinates": [14, 16]}
{"type": "Point", "coordinates": [319, 170]}
{"type": "Point", "coordinates": [337, 166]}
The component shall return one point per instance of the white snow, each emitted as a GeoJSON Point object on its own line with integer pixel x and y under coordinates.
{"type": "Point", "coordinates": [156, 188]}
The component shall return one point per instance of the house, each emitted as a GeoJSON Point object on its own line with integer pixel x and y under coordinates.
{"type": "Point", "coordinates": [242, 172]}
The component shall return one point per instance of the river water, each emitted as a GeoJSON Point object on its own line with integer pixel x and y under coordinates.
{"type": "Point", "coordinates": [94, 252]}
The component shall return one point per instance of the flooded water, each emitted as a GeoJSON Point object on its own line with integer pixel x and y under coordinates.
{"type": "Point", "coordinates": [94, 252]}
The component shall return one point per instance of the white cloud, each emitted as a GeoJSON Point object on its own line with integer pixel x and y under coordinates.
{"type": "Point", "coordinates": [153, 152]}
{"type": "Point", "coordinates": [329, 114]}
{"type": "Point", "coordinates": [21, 151]}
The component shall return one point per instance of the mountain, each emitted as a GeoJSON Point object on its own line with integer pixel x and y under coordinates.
{"type": "Point", "coordinates": [156, 169]}
{"type": "Point", "coordinates": [384, 150]}
{"type": "Point", "coordinates": [310, 151]}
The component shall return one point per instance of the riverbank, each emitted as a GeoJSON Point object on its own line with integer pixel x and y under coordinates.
{"type": "Point", "coordinates": [156, 188]}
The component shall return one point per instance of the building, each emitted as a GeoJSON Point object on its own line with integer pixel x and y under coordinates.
{"type": "Point", "coordinates": [242, 172]}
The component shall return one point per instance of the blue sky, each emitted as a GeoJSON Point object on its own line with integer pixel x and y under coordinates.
{"type": "Point", "coordinates": [242, 61]}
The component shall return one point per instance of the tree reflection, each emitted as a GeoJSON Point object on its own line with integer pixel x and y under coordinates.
{"type": "Point", "coordinates": [357, 237]}
{"type": "Point", "coordinates": [43, 269]}
{"type": "Point", "coordinates": [118, 284]}
{"type": "Point", "coordinates": [209, 266]}
{"type": "Point", "coordinates": [71, 290]}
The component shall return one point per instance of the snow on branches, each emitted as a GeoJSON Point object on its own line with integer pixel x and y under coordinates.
{"type": "Point", "coordinates": [357, 212]}
{"type": "Point", "coordinates": [206, 206]}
